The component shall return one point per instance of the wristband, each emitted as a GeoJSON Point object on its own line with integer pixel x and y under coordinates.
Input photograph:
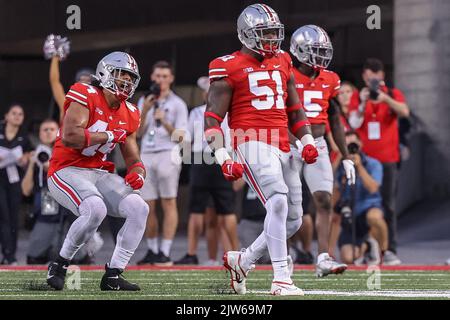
{"type": "Point", "coordinates": [110, 136]}
{"type": "Point", "coordinates": [222, 155]}
{"type": "Point", "coordinates": [136, 165]}
{"type": "Point", "coordinates": [87, 138]}
{"type": "Point", "coordinates": [214, 116]}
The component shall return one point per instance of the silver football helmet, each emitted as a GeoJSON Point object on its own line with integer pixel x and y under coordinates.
{"type": "Point", "coordinates": [311, 45]}
{"type": "Point", "coordinates": [253, 26]}
{"type": "Point", "coordinates": [111, 72]}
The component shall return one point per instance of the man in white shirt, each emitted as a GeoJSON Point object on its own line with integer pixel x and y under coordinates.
{"type": "Point", "coordinates": [163, 123]}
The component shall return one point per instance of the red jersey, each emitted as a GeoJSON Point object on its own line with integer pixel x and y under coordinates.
{"type": "Point", "coordinates": [383, 142]}
{"type": "Point", "coordinates": [258, 104]}
{"type": "Point", "coordinates": [316, 93]}
{"type": "Point", "coordinates": [101, 118]}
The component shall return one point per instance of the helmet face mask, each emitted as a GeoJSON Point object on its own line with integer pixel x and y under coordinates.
{"type": "Point", "coordinates": [118, 73]}
{"type": "Point", "coordinates": [311, 45]}
{"type": "Point", "coordinates": [260, 30]}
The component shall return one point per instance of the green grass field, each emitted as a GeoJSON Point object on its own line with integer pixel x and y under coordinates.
{"type": "Point", "coordinates": [214, 284]}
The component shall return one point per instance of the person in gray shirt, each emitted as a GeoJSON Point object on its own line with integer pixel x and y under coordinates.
{"type": "Point", "coordinates": [163, 123]}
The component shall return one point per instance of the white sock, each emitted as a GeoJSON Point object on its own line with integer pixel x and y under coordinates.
{"type": "Point", "coordinates": [281, 271]}
{"type": "Point", "coordinates": [135, 211]}
{"type": "Point", "coordinates": [92, 212]}
{"type": "Point", "coordinates": [165, 246]}
{"type": "Point", "coordinates": [152, 244]}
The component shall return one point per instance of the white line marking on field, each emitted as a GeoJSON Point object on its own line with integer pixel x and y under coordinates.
{"type": "Point", "coordinates": [375, 293]}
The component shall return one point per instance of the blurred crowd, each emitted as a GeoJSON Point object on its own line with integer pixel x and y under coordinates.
{"type": "Point", "coordinates": [229, 214]}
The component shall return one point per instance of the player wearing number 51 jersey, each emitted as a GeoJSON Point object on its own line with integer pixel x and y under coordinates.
{"type": "Point", "coordinates": [256, 87]}
{"type": "Point", "coordinates": [317, 89]}
{"type": "Point", "coordinates": [96, 118]}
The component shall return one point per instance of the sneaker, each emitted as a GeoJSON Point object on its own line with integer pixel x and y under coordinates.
{"type": "Point", "coordinates": [188, 259]}
{"type": "Point", "coordinates": [56, 274]}
{"type": "Point", "coordinates": [113, 280]}
{"type": "Point", "coordinates": [327, 265]}
{"type": "Point", "coordinates": [280, 288]}
{"type": "Point", "coordinates": [163, 260]}
{"type": "Point", "coordinates": [231, 261]}
{"type": "Point", "coordinates": [149, 258]}
{"type": "Point", "coordinates": [391, 259]}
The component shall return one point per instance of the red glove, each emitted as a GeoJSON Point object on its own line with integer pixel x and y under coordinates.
{"type": "Point", "coordinates": [309, 154]}
{"type": "Point", "coordinates": [232, 170]}
{"type": "Point", "coordinates": [117, 135]}
{"type": "Point", "coordinates": [134, 180]}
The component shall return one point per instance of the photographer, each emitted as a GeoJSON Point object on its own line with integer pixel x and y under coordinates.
{"type": "Point", "coordinates": [366, 202]}
{"type": "Point", "coordinates": [46, 236]}
{"type": "Point", "coordinates": [374, 114]}
{"type": "Point", "coordinates": [163, 123]}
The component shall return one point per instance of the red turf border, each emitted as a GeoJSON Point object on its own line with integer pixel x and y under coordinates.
{"type": "Point", "coordinates": [206, 268]}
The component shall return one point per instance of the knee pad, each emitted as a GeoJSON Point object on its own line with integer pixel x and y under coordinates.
{"type": "Point", "coordinates": [277, 203]}
{"type": "Point", "coordinates": [93, 207]}
{"type": "Point", "coordinates": [133, 206]}
{"type": "Point", "coordinates": [292, 226]}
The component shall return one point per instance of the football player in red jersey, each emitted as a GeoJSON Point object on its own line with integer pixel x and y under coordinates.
{"type": "Point", "coordinates": [318, 89]}
{"type": "Point", "coordinates": [256, 87]}
{"type": "Point", "coordinates": [97, 118]}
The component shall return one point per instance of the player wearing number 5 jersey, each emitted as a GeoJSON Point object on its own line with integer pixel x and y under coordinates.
{"type": "Point", "coordinates": [317, 88]}
{"type": "Point", "coordinates": [97, 118]}
{"type": "Point", "coordinates": [256, 87]}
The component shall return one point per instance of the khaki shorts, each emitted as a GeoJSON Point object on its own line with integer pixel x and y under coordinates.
{"type": "Point", "coordinates": [163, 172]}
{"type": "Point", "coordinates": [268, 171]}
{"type": "Point", "coordinates": [71, 185]}
{"type": "Point", "coordinates": [319, 175]}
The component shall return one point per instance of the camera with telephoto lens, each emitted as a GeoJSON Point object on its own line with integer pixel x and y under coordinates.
{"type": "Point", "coordinates": [154, 89]}
{"type": "Point", "coordinates": [42, 154]}
{"type": "Point", "coordinates": [374, 86]}
{"type": "Point", "coordinates": [353, 148]}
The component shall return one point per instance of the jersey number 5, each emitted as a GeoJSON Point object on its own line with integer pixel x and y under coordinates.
{"type": "Point", "coordinates": [105, 148]}
{"type": "Point", "coordinates": [312, 110]}
{"type": "Point", "coordinates": [259, 91]}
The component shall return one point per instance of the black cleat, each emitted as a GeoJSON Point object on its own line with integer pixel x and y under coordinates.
{"type": "Point", "coordinates": [56, 274]}
{"type": "Point", "coordinates": [113, 280]}
{"type": "Point", "coordinates": [188, 259]}
{"type": "Point", "coordinates": [149, 258]}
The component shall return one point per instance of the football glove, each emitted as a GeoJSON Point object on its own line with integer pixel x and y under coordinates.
{"type": "Point", "coordinates": [309, 153]}
{"type": "Point", "coordinates": [134, 180]}
{"type": "Point", "coordinates": [232, 170]}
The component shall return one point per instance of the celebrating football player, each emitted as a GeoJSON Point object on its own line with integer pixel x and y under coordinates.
{"type": "Point", "coordinates": [97, 118]}
{"type": "Point", "coordinates": [256, 87]}
{"type": "Point", "coordinates": [318, 88]}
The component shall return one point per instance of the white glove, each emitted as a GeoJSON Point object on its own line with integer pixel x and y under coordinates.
{"type": "Point", "coordinates": [350, 173]}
